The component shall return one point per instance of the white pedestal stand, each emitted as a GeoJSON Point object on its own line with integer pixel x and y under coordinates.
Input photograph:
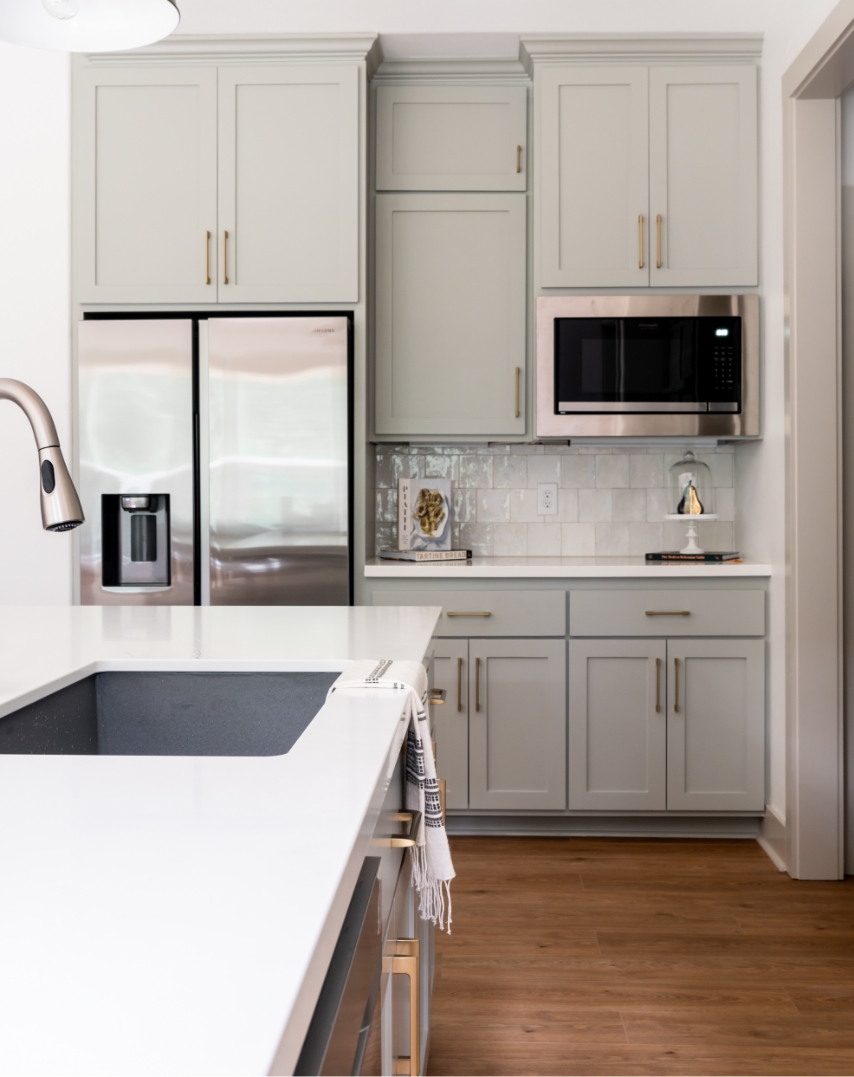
{"type": "Point", "coordinates": [691, 524]}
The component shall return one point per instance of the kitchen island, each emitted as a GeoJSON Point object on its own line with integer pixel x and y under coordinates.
{"type": "Point", "coordinates": [177, 914]}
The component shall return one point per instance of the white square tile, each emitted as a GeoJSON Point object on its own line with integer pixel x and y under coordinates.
{"type": "Point", "coordinates": [441, 466]}
{"type": "Point", "coordinates": [645, 538]}
{"type": "Point", "coordinates": [510, 472]}
{"type": "Point", "coordinates": [386, 505]}
{"type": "Point", "coordinates": [658, 505]}
{"type": "Point", "coordinates": [544, 540]}
{"type": "Point", "coordinates": [628, 504]}
{"type": "Point", "coordinates": [510, 540]}
{"type": "Point", "coordinates": [543, 469]}
{"type": "Point", "coordinates": [493, 506]}
{"type": "Point", "coordinates": [476, 471]}
{"type": "Point", "coordinates": [578, 472]}
{"type": "Point", "coordinates": [612, 471]}
{"type": "Point", "coordinates": [612, 540]}
{"type": "Point", "coordinates": [594, 506]}
{"type": "Point", "coordinates": [523, 507]}
{"type": "Point", "coordinates": [577, 540]}
{"type": "Point", "coordinates": [567, 506]}
{"type": "Point", "coordinates": [477, 538]}
{"type": "Point", "coordinates": [464, 506]}
{"type": "Point", "coordinates": [721, 467]}
{"type": "Point", "coordinates": [646, 470]}
{"type": "Point", "coordinates": [725, 503]}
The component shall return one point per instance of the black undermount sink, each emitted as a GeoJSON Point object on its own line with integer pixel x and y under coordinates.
{"type": "Point", "coordinates": [169, 714]}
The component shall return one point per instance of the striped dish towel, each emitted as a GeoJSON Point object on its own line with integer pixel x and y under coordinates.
{"type": "Point", "coordinates": [432, 869]}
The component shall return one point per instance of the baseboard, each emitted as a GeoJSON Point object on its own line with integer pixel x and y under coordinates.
{"type": "Point", "coordinates": [610, 826]}
{"type": "Point", "coordinates": [772, 838]}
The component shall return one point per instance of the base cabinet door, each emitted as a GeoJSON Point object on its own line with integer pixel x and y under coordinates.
{"type": "Point", "coordinates": [451, 720]}
{"type": "Point", "coordinates": [617, 724]}
{"type": "Point", "coordinates": [517, 724]}
{"type": "Point", "coordinates": [288, 184]}
{"type": "Point", "coordinates": [715, 725]}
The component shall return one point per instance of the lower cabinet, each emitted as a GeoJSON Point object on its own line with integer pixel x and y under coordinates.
{"type": "Point", "coordinates": [676, 724]}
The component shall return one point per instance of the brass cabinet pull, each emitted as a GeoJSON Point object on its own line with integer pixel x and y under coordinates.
{"type": "Point", "coordinates": [668, 613]}
{"type": "Point", "coordinates": [459, 684]}
{"type": "Point", "coordinates": [517, 391]}
{"type": "Point", "coordinates": [658, 686]}
{"type": "Point", "coordinates": [406, 841]}
{"type": "Point", "coordinates": [405, 962]}
{"type": "Point", "coordinates": [207, 257]}
{"type": "Point", "coordinates": [658, 234]}
{"type": "Point", "coordinates": [518, 158]}
{"type": "Point", "coordinates": [466, 613]}
{"type": "Point", "coordinates": [640, 240]}
{"type": "Point", "coordinates": [676, 684]}
{"type": "Point", "coordinates": [437, 696]}
{"type": "Point", "coordinates": [477, 684]}
{"type": "Point", "coordinates": [224, 257]}
{"type": "Point", "coordinates": [443, 796]}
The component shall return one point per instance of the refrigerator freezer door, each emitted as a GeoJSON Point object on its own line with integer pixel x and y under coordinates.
{"type": "Point", "coordinates": [278, 452]}
{"type": "Point", "coordinates": [135, 387]}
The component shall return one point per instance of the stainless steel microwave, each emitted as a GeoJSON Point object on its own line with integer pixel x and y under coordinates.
{"type": "Point", "coordinates": [648, 366]}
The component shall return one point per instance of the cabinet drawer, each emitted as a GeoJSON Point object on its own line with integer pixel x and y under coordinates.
{"type": "Point", "coordinates": [667, 613]}
{"type": "Point", "coordinates": [488, 613]}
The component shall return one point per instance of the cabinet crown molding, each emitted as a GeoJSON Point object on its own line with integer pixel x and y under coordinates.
{"type": "Point", "coordinates": [246, 49]}
{"type": "Point", "coordinates": [638, 48]}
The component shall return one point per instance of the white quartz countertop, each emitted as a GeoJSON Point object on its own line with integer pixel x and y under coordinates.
{"type": "Point", "coordinates": [169, 915]}
{"type": "Point", "coordinates": [479, 568]}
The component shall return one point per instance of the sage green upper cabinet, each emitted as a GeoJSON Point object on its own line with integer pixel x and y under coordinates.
{"type": "Point", "coordinates": [450, 314]}
{"type": "Point", "coordinates": [647, 176]}
{"type": "Point", "coordinates": [289, 184]}
{"type": "Point", "coordinates": [703, 175]}
{"type": "Point", "coordinates": [452, 138]}
{"type": "Point", "coordinates": [594, 196]}
{"type": "Point", "coordinates": [146, 184]}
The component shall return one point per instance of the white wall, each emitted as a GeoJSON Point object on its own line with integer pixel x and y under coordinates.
{"type": "Point", "coordinates": [35, 566]}
{"type": "Point", "coordinates": [34, 336]}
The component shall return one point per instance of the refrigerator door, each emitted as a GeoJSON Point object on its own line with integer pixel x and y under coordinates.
{"type": "Point", "coordinates": [278, 449]}
{"type": "Point", "coordinates": [135, 391]}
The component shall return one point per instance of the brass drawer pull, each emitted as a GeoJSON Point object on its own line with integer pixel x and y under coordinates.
{"type": "Point", "coordinates": [668, 613]}
{"type": "Point", "coordinates": [658, 231]}
{"type": "Point", "coordinates": [658, 686]}
{"type": "Point", "coordinates": [518, 158]}
{"type": "Point", "coordinates": [408, 840]}
{"type": "Point", "coordinates": [459, 684]}
{"type": "Point", "coordinates": [207, 257]}
{"type": "Point", "coordinates": [676, 684]}
{"type": "Point", "coordinates": [437, 697]}
{"type": "Point", "coordinates": [517, 391]}
{"type": "Point", "coordinates": [640, 240]}
{"type": "Point", "coordinates": [405, 962]}
{"type": "Point", "coordinates": [468, 613]}
{"type": "Point", "coordinates": [225, 257]}
{"type": "Point", "coordinates": [477, 684]}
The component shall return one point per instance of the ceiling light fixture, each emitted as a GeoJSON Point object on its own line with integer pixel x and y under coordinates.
{"type": "Point", "coordinates": [87, 25]}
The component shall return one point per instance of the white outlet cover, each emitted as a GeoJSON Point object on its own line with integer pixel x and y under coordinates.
{"type": "Point", "coordinates": [547, 498]}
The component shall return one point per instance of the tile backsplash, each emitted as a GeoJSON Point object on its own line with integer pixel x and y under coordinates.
{"type": "Point", "coordinates": [611, 501]}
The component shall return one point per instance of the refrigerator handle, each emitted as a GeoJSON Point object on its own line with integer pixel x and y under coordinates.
{"type": "Point", "coordinates": [204, 552]}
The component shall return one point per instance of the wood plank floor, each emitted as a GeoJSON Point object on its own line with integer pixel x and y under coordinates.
{"type": "Point", "coordinates": [612, 956]}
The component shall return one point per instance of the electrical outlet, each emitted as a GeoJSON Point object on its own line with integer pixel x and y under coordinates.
{"type": "Point", "coordinates": [547, 498]}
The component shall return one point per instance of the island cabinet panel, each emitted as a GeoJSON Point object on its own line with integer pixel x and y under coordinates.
{"type": "Point", "coordinates": [450, 314]}
{"type": "Point", "coordinates": [146, 176]}
{"type": "Point", "coordinates": [593, 146]}
{"type": "Point", "coordinates": [716, 725]}
{"type": "Point", "coordinates": [703, 175]}
{"type": "Point", "coordinates": [288, 184]}
{"type": "Point", "coordinates": [451, 719]}
{"type": "Point", "coordinates": [617, 725]}
{"type": "Point", "coordinates": [452, 138]}
{"type": "Point", "coordinates": [517, 724]}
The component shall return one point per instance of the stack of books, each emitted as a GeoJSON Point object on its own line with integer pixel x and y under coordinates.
{"type": "Point", "coordinates": [425, 555]}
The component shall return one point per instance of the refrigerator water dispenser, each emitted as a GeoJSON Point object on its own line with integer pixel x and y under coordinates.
{"type": "Point", "coordinates": [135, 540]}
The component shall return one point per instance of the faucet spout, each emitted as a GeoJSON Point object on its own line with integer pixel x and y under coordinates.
{"type": "Point", "coordinates": [61, 509]}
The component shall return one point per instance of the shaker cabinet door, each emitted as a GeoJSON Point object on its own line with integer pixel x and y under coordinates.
{"type": "Point", "coordinates": [146, 176]}
{"type": "Point", "coordinates": [451, 719]}
{"type": "Point", "coordinates": [716, 725]}
{"type": "Point", "coordinates": [450, 314]}
{"type": "Point", "coordinates": [593, 225]}
{"type": "Point", "coordinates": [452, 138]}
{"type": "Point", "coordinates": [517, 724]}
{"type": "Point", "coordinates": [703, 176]}
{"type": "Point", "coordinates": [617, 724]}
{"type": "Point", "coordinates": [288, 184]}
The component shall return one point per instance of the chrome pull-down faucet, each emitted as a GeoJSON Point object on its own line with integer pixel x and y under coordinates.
{"type": "Point", "coordinates": [61, 510]}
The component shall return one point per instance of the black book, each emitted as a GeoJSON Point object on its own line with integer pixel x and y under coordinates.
{"type": "Point", "coordinates": [707, 558]}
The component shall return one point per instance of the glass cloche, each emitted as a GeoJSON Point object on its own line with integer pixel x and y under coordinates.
{"type": "Point", "coordinates": [691, 490]}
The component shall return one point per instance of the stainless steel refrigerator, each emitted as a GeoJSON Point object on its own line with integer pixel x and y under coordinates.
{"type": "Point", "coordinates": [215, 460]}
